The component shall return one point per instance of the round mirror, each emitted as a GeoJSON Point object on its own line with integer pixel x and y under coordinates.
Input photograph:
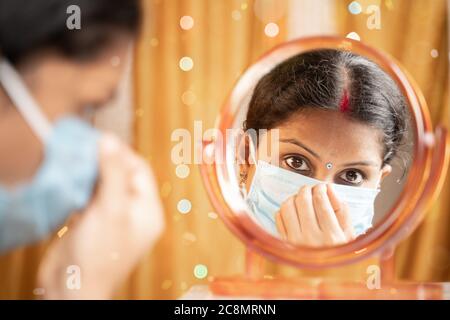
{"type": "Point", "coordinates": [323, 153]}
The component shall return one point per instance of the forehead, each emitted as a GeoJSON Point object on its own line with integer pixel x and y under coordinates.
{"type": "Point", "coordinates": [332, 134]}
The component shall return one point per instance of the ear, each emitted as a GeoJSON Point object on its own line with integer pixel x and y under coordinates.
{"type": "Point", "coordinates": [385, 171]}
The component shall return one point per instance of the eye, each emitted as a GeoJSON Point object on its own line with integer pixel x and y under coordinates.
{"type": "Point", "coordinates": [297, 163]}
{"type": "Point", "coordinates": [352, 177]}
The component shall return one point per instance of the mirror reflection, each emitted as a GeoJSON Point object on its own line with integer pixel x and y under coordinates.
{"type": "Point", "coordinates": [325, 149]}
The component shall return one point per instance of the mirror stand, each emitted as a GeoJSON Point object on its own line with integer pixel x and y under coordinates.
{"type": "Point", "coordinates": [253, 284]}
{"type": "Point", "coordinates": [425, 180]}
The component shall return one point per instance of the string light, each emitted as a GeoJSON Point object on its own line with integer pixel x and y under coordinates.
{"type": "Point", "coordinates": [166, 284]}
{"type": "Point", "coordinates": [212, 215]}
{"type": "Point", "coordinates": [434, 53]}
{"type": "Point", "coordinates": [354, 36]}
{"type": "Point", "coordinates": [271, 30]}
{"type": "Point", "coordinates": [186, 22]}
{"type": "Point", "coordinates": [188, 97]}
{"type": "Point", "coordinates": [200, 271]}
{"type": "Point", "coordinates": [184, 206]}
{"type": "Point", "coordinates": [154, 42]}
{"type": "Point", "coordinates": [186, 63]}
{"type": "Point", "coordinates": [354, 7]}
{"type": "Point", "coordinates": [236, 15]}
{"type": "Point", "coordinates": [182, 171]}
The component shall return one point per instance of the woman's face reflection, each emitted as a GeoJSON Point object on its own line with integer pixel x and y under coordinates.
{"type": "Point", "coordinates": [327, 146]}
{"type": "Point", "coordinates": [334, 121]}
{"type": "Point", "coordinates": [331, 148]}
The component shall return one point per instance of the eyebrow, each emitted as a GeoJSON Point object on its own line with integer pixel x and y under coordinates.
{"type": "Point", "coordinates": [301, 145]}
{"type": "Point", "coordinates": [361, 163]}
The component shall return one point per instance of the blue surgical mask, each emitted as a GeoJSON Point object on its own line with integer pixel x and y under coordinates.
{"type": "Point", "coordinates": [272, 185]}
{"type": "Point", "coordinates": [65, 180]}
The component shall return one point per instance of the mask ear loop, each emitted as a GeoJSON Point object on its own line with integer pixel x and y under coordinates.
{"type": "Point", "coordinates": [252, 150]}
{"type": "Point", "coordinates": [17, 91]}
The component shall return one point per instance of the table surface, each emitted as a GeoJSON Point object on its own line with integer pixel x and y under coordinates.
{"type": "Point", "coordinates": [202, 292]}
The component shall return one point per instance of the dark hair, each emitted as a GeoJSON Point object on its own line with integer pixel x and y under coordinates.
{"type": "Point", "coordinates": [331, 80]}
{"type": "Point", "coordinates": [29, 26]}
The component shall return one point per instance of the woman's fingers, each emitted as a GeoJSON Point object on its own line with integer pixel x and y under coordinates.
{"type": "Point", "coordinates": [290, 220]}
{"type": "Point", "coordinates": [112, 177]}
{"type": "Point", "coordinates": [334, 201]}
{"type": "Point", "coordinates": [314, 217]}
{"type": "Point", "coordinates": [342, 213]}
{"type": "Point", "coordinates": [119, 169]}
{"type": "Point", "coordinates": [280, 226]}
{"type": "Point", "coordinates": [347, 226]}
{"type": "Point", "coordinates": [306, 215]}
{"type": "Point", "coordinates": [328, 221]}
{"type": "Point", "coordinates": [127, 188]}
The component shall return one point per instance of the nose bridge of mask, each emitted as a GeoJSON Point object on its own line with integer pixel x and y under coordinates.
{"type": "Point", "coordinates": [20, 96]}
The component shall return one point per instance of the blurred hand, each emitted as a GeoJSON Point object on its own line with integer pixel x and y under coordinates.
{"type": "Point", "coordinates": [315, 217]}
{"type": "Point", "coordinates": [107, 239]}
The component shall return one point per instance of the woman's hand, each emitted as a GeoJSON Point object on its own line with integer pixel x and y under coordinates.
{"type": "Point", "coordinates": [314, 217]}
{"type": "Point", "coordinates": [106, 240]}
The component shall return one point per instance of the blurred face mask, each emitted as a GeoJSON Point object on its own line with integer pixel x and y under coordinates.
{"type": "Point", "coordinates": [272, 185]}
{"type": "Point", "coordinates": [65, 180]}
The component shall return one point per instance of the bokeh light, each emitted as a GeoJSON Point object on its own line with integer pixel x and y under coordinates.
{"type": "Point", "coordinates": [154, 42]}
{"type": "Point", "coordinates": [212, 215]}
{"type": "Point", "coordinates": [236, 15]}
{"type": "Point", "coordinates": [182, 171]}
{"type": "Point", "coordinates": [355, 7]}
{"type": "Point", "coordinates": [139, 112]}
{"type": "Point", "coordinates": [39, 291]}
{"type": "Point", "coordinates": [189, 237]}
{"type": "Point", "coordinates": [186, 22]}
{"type": "Point", "coordinates": [353, 35]}
{"type": "Point", "coordinates": [389, 4]}
{"type": "Point", "coordinates": [434, 53]}
{"type": "Point", "coordinates": [184, 206]}
{"type": "Point", "coordinates": [186, 63]}
{"type": "Point", "coordinates": [62, 231]}
{"type": "Point", "coordinates": [188, 98]}
{"type": "Point", "coordinates": [200, 271]}
{"type": "Point", "coordinates": [271, 30]}
{"type": "Point", "coordinates": [166, 284]}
